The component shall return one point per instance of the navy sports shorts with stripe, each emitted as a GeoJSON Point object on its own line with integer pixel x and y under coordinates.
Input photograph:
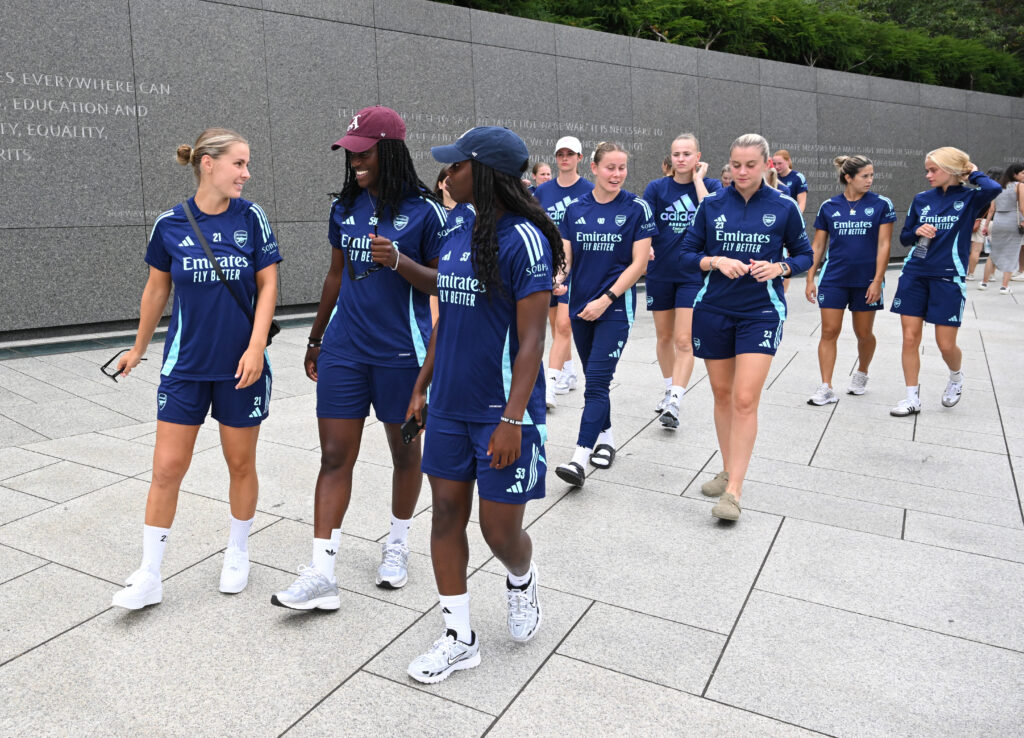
{"type": "Point", "coordinates": [835, 297]}
{"type": "Point", "coordinates": [670, 295]}
{"type": "Point", "coordinates": [939, 300]}
{"type": "Point", "coordinates": [346, 389]}
{"type": "Point", "coordinates": [187, 401]}
{"type": "Point", "coordinates": [719, 336]}
{"type": "Point", "coordinates": [457, 450]}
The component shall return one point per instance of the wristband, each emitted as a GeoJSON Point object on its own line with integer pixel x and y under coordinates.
{"type": "Point", "coordinates": [610, 295]}
{"type": "Point", "coordinates": [713, 260]}
{"type": "Point", "coordinates": [511, 421]}
{"type": "Point", "coordinates": [314, 342]}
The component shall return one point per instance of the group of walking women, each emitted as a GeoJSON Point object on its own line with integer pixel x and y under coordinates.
{"type": "Point", "coordinates": [501, 263]}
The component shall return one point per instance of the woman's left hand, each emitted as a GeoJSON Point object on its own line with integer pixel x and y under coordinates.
{"type": "Point", "coordinates": [595, 308]}
{"type": "Point", "coordinates": [559, 289]}
{"type": "Point", "coordinates": [250, 367]}
{"type": "Point", "coordinates": [762, 271]}
{"type": "Point", "coordinates": [383, 251]}
{"type": "Point", "coordinates": [874, 293]}
{"type": "Point", "coordinates": [505, 445]}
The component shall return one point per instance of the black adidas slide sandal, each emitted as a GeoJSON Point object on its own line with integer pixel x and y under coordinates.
{"type": "Point", "coordinates": [603, 456]}
{"type": "Point", "coordinates": [571, 473]}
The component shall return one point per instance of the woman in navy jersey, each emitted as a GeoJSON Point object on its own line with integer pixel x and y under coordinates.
{"type": "Point", "coordinates": [795, 182]}
{"type": "Point", "coordinates": [670, 292]}
{"type": "Point", "coordinates": [851, 253]}
{"type": "Point", "coordinates": [932, 287]}
{"type": "Point", "coordinates": [554, 197]}
{"type": "Point", "coordinates": [607, 236]}
{"type": "Point", "coordinates": [214, 353]}
{"type": "Point", "coordinates": [368, 341]}
{"type": "Point", "coordinates": [737, 238]}
{"type": "Point", "coordinates": [486, 383]}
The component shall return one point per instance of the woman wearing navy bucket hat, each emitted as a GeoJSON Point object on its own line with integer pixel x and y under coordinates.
{"type": "Point", "coordinates": [483, 367]}
{"type": "Point", "coordinates": [369, 340]}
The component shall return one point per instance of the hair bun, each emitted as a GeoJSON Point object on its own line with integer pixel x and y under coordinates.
{"type": "Point", "coordinates": [840, 160]}
{"type": "Point", "coordinates": [184, 155]}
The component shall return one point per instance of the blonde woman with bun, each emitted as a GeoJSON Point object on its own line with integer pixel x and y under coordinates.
{"type": "Point", "coordinates": [214, 354]}
{"type": "Point", "coordinates": [932, 285]}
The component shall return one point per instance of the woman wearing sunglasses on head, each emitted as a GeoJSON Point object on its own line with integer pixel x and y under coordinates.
{"type": "Point", "coordinates": [369, 340]}
{"type": "Point", "coordinates": [214, 351]}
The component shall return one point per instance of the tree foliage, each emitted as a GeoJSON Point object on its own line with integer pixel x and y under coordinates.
{"type": "Point", "coordinates": [970, 44]}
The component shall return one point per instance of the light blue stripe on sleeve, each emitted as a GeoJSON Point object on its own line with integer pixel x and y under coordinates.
{"type": "Point", "coordinates": [172, 355]}
{"type": "Point", "coordinates": [630, 299]}
{"type": "Point", "coordinates": [776, 302]}
{"type": "Point", "coordinates": [414, 330]}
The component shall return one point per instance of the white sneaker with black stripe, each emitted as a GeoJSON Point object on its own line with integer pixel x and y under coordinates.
{"type": "Point", "coordinates": [524, 616]}
{"type": "Point", "coordinates": [446, 655]}
{"type": "Point", "coordinates": [951, 395]}
{"type": "Point", "coordinates": [824, 395]}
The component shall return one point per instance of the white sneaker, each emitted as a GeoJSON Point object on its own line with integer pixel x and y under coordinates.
{"type": "Point", "coordinates": [858, 384]}
{"type": "Point", "coordinates": [664, 402]}
{"type": "Point", "coordinates": [970, 277]}
{"type": "Point", "coordinates": [393, 571]}
{"type": "Point", "coordinates": [952, 394]}
{"type": "Point", "coordinates": [565, 383]}
{"type": "Point", "coordinates": [311, 591]}
{"type": "Point", "coordinates": [142, 588]}
{"type": "Point", "coordinates": [1005, 291]}
{"type": "Point", "coordinates": [982, 285]}
{"type": "Point", "coordinates": [234, 575]}
{"type": "Point", "coordinates": [446, 655]}
{"type": "Point", "coordinates": [1017, 277]}
{"type": "Point", "coordinates": [670, 415]}
{"type": "Point", "coordinates": [549, 395]}
{"type": "Point", "coordinates": [824, 395]}
{"type": "Point", "coordinates": [524, 616]}
{"type": "Point", "coordinates": [905, 407]}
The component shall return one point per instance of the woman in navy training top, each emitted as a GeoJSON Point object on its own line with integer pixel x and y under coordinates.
{"type": "Point", "coordinates": [368, 341]}
{"type": "Point", "coordinates": [483, 368]}
{"type": "Point", "coordinates": [794, 180]}
{"type": "Point", "coordinates": [670, 293]}
{"type": "Point", "coordinates": [851, 248]}
{"type": "Point", "coordinates": [607, 237]}
{"type": "Point", "coordinates": [213, 355]}
{"type": "Point", "coordinates": [932, 287]}
{"type": "Point", "coordinates": [737, 238]}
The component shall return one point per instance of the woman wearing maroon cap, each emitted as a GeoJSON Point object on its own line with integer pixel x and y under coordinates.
{"type": "Point", "coordinates": [369, 340]}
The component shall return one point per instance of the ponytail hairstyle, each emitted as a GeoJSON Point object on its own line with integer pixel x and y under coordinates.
{"type": "Point", "coordinates": [771, 178]}
{"type": "Point", "coordinates": [752, 140]}
{"type": "Point", "coordinates": [783, 154]}
{"type": "Point", "coordinates": [212, 142]}
{"type": "Point", "coordinates": [849, 166]}
{"type": "Point", "coordinates": [687, 137]}
{"type": "Point", "coordinates": [1009, 175]}
{"type": "Point", "coordinates": [952, 161]}
{"type": "Point", "coordinates": [666, 166]}
{"type": "Point", "coordinates": [398, 179]}
{"type": "Point", "coordinates": [536, 167]}
{"type": "Point", "coordinates": [492, 190]}
{"type": "Point", "coordinates": [606, 147]}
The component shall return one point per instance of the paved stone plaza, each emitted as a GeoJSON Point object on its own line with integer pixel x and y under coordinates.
{"type": "Point", "coordinates": [873, 585]}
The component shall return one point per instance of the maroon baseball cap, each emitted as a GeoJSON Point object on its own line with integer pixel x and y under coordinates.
{"type": "Point", "coordinates": [369, 126]}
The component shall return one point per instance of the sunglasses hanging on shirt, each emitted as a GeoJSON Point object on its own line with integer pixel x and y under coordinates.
{"type": "Point", "coordinates": [375, 267]}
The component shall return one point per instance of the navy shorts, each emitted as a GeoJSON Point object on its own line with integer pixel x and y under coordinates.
{"type": "Point", "coordinates": [835, 297]}
{"type": "Point", "coordinates": [345, 389]}
{"type": "Point", "coordinates": [670, 295]}
{"type": "Point", "coordinates": [457, 450]}
{"type": "Point", "coordinates": [559, 299]}
{"type": "Point", "coordinates": [939, 300]}
{"type": "Point", "coordinates": [187, 401]}
{"type": "Point", "coordinates": [718, 336]}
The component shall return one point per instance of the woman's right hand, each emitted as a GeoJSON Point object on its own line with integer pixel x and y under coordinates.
{"type": "Point", "coordinates": [129, 361]}
{"type": "Point", "coordinates": [309, 362]}
{"type": "Point", "coordinates": [417, 402]}
{"type": "Point", "coordinates": [811, 290]}
{"type": "Point", "coordinates": [927, 230]}
{"type": "Point", "coordinates": [732, 268]}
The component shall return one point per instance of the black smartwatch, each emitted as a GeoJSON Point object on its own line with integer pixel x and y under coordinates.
{"type": "Point", "coordinates": [611, 295]}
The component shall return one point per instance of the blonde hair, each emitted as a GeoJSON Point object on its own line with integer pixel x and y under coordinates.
{"type": "Point", "coordinates": [687, 137]}
{"type": "Point", "coordinates": [772, 178]}
{"type": "Point", "coordinates": [751, 140]}
{"type": "Point", "coordinates": [726, 169]}
{"type": "Point", "coordinates": [849, 166]}
{"type": "Point", "coordinates": [213, 142]}
{"type": "Point", "coordinates": [952, 161]}
{"type": "Point", "coordinates": [606, 147]}
{"type": "Point", "coordinates": [783, 154]}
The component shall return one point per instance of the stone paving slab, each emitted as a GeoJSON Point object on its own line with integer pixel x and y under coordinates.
{"type": "Point", "coordinates": [14, 563]}
{"type": "Point", "coordinates": [14, 505]}
{"type": "Point", "coordinates": [964, 535]}
{"type": "Point", "coordinates": [62, 481]}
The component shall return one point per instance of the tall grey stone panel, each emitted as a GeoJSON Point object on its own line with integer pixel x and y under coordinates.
{"type": "Point", "coordinates": [88, 129]}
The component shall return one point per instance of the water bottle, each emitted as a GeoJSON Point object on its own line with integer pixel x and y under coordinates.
{"type": "Point", "coordinates": [921, 248]}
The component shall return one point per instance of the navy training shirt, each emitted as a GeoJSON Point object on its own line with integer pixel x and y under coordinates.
{"type": "Point", "coordinates": [851, 255]}
{"type": "Point", "coordinates": [674, 205]}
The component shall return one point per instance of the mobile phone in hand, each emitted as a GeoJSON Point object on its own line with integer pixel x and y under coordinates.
{"type": "Point", "coordinates": [411, 429]}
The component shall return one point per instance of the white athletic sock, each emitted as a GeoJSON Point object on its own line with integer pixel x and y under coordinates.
{"type": "Point", "coordinates": [676, 391]}
{"type": "Point", "coordinates": [239, 536]}
{"type": "Point", "coordinates": [399, 530]}
{"type": "Point", "coordinates": [455, 610]}
{"type": "Point", "coordinates": [336, 537]}
{"type": "Point", "coordinates": [606, 437]}
{"type": "Point", "coordinates": [553, 374]}
{"type": "Point", "coordinates": [914, 393]}
{"type": "Point", "coordinates": [567, 367]}
{"type": "Point", "coordinates": [153, 541]}
{"type": "Point", "coordinates": [668, 382]}
{"type": "Point", "coordinates": [324, 553]}
{"type": "Point", "coordinates": [957, 376]}
{"type": "Point", "coordinates": [520, 582]}
{"type": "Point", "coordinates": [582, 455]}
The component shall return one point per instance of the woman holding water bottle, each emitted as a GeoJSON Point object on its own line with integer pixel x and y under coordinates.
{"type": "Point", "coordinates": [931, 287]}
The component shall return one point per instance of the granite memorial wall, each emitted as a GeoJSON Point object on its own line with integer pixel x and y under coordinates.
{"type": "Point", "coordinates": [96, 95]}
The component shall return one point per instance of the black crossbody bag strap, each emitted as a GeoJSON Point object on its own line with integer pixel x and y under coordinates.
{"type": "Point", "coordinates": [213, 261]}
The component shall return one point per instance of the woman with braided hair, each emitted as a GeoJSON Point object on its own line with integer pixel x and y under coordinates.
{"type": "Point", "coordinates": [483, 367]}
{"type": "Point", "coordinates": [369, 340]}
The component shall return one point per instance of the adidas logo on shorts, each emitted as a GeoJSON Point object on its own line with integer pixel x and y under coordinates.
{"type": "Point", "coordinates": [256, 413]}
{"type": "Point", "coordinates": [515, 489]}
{"type": "Point", "coordinates": [765, 344]}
